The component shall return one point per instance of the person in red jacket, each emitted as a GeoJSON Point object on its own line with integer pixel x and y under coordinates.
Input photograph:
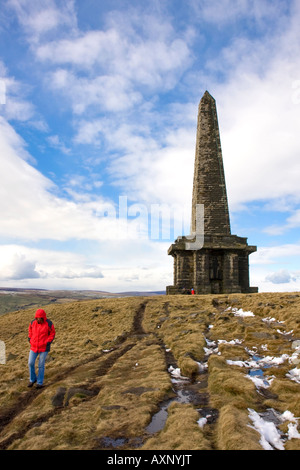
{"type": "Point", "coordinates": [41, 333]}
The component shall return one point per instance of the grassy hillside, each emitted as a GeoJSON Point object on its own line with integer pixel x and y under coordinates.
{"type": "Point", "coordinates": [17, 299]}
{"type": "Point", "coordinates": [163, 372]}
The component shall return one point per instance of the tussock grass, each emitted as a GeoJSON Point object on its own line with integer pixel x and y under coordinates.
{"type": "Point", "coordinates": [111, 366]}
{"type": "Point", "coordinates": [228, 385]}
{"type": "Point", "coordinates": [180, 324]}
{"type": "Point", "coordinates": [234, 432]}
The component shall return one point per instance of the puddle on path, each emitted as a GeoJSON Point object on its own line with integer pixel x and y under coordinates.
{"type": "Point", "coordinates": [186, 392]}
{"type": "Point", "coordinates": [159, 419]}
{"type": "Point", "coordinates": [259, 371]}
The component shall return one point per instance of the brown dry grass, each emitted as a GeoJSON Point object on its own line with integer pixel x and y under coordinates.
{"type": "Point", "coordinates": [109, 358]}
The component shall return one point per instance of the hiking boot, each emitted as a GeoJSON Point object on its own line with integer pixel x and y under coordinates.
{"type": "Point", "coordinates": [39, 386]}
{"type": "Point", "coordinates": [30, 384]}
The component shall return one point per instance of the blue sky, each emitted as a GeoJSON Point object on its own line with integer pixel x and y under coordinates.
{"type": "Point", "coordinates": [98, 114]}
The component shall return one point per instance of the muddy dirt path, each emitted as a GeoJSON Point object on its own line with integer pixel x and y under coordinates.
{"type": "Point", "coordinates": [28, 396]}
{"type": "Point", "coordinates": [185, 391]}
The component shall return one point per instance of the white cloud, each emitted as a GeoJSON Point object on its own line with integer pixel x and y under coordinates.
{"type": "Point", "coordinates": [13, 96]}
{"type": "Point", "coordinates": [18, 268]}
{"type": "Point", "coordinates": [139, 48]}
{"type": "Point", "coordinates": [271, 255]}
{"type": "Point", "coordinates": [55, 142]}
{"type": "Point", "coordinates": [108, 68]}
{"type": "Point", "coordinates": [108, 92]}
{"type": "Point", "coordinates": [30, 209]}
{"type": "Point", "coordinates": [41, 17]}
{"type": "Point", "coordinates": [221, 12]}
{"type": "Point", "coordinates": [276, 268]}
{"type": "Point", "coordinates": [260, 122]}
{"type": "Point", "coordinates": [84, 51]}
{"type": "Point", "coordinates": [282, 277]}
{"type": "Point", "coordinates": [19, 263]}
{"type": "Point", "coordinates": [114, 266]}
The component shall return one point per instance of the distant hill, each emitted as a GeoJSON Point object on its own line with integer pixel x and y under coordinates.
{"type": "Point", "coordinates": [12, 299]}
{"type": "Point", "coordinates": [211, 372]}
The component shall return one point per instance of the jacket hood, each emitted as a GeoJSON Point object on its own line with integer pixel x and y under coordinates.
{"type": "Point", "coordinates": [40, 313]}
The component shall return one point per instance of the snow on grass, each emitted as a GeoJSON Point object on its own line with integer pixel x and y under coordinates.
{"type": "Point", "coordinates": [271, 320]}
{"type": "Point", "coordinates": [285, 332]}
{"type": "Point", "coordinates": [176, 374]}
{"type": "Point", "coordinates": [260, 382]}
{"type": "Point", "coordinates": [240, 313]}
{"type": "Point", "coordinates": [233, 341]}
{"type": "Point", "coordinates": [293, 431]}
{"type": "Point", "coordinates": [202, 366]}
{"type": "Point", "coordinates": [271, 438]}
{"type": "Point", "coordinates": [201, 422]}
{"type": "Point", "coordinates": [294, 374]}
{"type": "Point", "coordinates": [266, 361]}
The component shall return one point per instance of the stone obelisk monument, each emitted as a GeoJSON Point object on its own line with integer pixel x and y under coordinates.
{"type": "Point", "coordinates": [210, 260]}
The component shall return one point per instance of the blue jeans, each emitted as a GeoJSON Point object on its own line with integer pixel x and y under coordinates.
{"type": "Point", "coordinates": [31, 363]}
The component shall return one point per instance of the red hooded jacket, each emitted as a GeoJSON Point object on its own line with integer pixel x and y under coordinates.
{"type": "Point", "coordinates": [41, 335]}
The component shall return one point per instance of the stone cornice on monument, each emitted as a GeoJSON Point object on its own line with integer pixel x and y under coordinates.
{"type": "Point", "coordinates": [230, 242]}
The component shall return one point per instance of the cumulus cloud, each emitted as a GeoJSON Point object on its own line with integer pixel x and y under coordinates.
{"type": "Point", "coordinates": [110, 265]}
{"type": "Point", "coordinates": [110, 93]}
{"type": "Point", "coordinates": [281, 277]}
{"type": "Point", "coordinates": [13, 95]}
{"type": "Point", "coordinates": [19, 263]}
{"type": "Point", "coordinates": [108, 68]}
{"type": "Point", "coordinates": [33, 211]}
{"type": "Point", "coordinates": [270, 255]}
{"type": "Point", "coordinates": [229, 11]}
{"type": "Point", "coordinates": [259, 120]}
{"type": "Point", "coordinates": [19, 268]}
{"type": "Point", "coordinates": [39, 18]}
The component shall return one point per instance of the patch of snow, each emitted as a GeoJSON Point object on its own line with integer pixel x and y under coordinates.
{"type": "Point", "coordinates": [233, 341]}
{"type": "Point", "coordinates": [288, 416]}
{"type": "Point", "coordinates": [241, 313]}
{"type": "Point", "coordinates": [294, 374]}
{"type": "Point", "coordinates": [201, 422]}
{"type": "Point", "coordinates": [285, 332]}
{"type": "Point", "coordinates": [266, 361]}
{"type": "Point", "coordinates": [246, 364]}
{"type": "Point", "coordinates": [271, 320]}
{"type": "Point", "coordinates": [260, 382]}
{"type": "Point", "coordinates": [209, 351]}
{"type": "Point", "coordinates": [202, 366]}
{"type": "Point", "coordinates": [293, 432]}
{"type": "Point", "coordinates": [210, 343]}
{"type": "Point", "coordinates": [270, 437]}
{"type": "Point", "coordinates": [176, 374]}
{"type": "Point", "coordinates": [274, 361]}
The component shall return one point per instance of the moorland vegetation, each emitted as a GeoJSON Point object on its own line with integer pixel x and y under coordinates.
{"type": "Point", "coordinates": [214, 360]}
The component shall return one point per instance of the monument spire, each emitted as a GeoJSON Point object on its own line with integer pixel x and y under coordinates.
{"type": "Point", "coordinates": [217, 262]}
{"type": "Point", "coordinates": [209, 186]}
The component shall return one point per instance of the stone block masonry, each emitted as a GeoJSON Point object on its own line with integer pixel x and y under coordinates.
{"type": "Point", "coordinates": [221, 265]}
